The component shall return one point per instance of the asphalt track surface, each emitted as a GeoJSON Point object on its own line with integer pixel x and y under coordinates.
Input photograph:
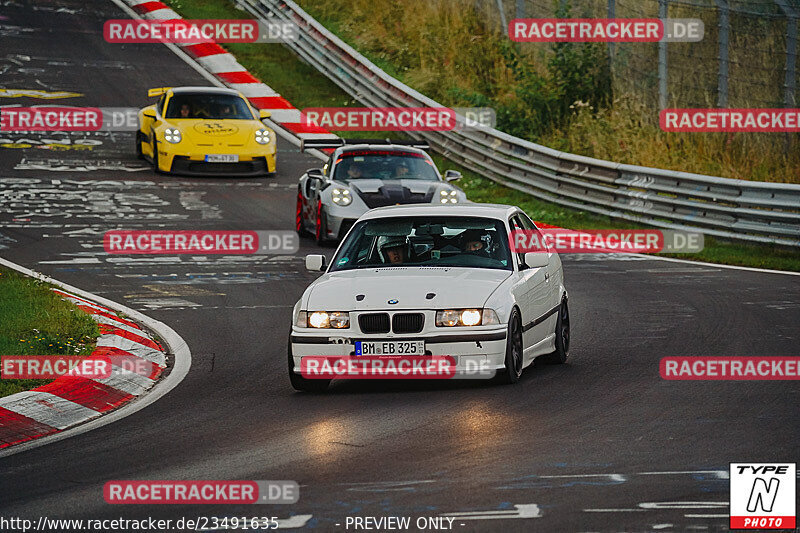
{"type": "Point", "coordinates": [599, 444]}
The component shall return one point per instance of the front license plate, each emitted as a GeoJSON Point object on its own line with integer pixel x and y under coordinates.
{"type": "Point", "coordinates": [222, 158]}
{"type": "Point", "coordinates": [390, 347]}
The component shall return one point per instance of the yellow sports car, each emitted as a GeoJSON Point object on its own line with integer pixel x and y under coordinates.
{"type": "Point", "coordinates": [200, 131]}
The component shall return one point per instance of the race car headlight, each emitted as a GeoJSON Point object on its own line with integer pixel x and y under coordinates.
{"type": "Point", "coordinates": [172, 135]}
{"type": "Point", "coordinates": [325, 319]}
{"type": "Point", "coordinates": [262, 137]}
{"type": "Point", "coordinates": [448, 197]}
{"type": "Point", "coordinates": [466, 317]}
{"type": "Point", "coordinates": [341, 196]}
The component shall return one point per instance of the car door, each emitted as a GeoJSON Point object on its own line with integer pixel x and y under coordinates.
{"type": "Point", "coordinates": [531, 293]}
{"type": "Point", "coordinates": [552, 274]}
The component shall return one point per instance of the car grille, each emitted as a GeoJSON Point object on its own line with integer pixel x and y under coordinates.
{"type": "Point", "coordinates": [407, 322]}
{"type": "Point", "coordinates": [374, 323]}
{"type": "Point", "coordinates": [184, 164]}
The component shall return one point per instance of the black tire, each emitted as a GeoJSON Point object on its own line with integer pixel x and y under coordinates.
{"type": "Point", "coordinates": [559, 356]}
{"type": "Point", "coordinates": [322, 227]}
{"type": "Point", "coordinates": [139, 141]}
{"type": "Point", "coordinates": [302, 384]}
{"type": "Point", "coordinates": [514, 350]}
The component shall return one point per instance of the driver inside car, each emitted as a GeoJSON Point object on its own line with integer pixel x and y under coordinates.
{"type": "Point", "coordinates": [393, 250]}
{"type": "Point", "coordinates": [472, 242]}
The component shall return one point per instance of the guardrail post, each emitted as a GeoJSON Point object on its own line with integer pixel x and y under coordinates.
{"type": "Point", "coordinates": [662, 60]}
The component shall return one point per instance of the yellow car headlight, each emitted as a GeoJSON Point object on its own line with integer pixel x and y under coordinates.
{"type": "Point", "coordinates": [172, 135]}
{"type": "Point", "coordinates": [262, 136]}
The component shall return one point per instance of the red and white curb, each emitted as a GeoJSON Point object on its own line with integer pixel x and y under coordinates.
{"type": "Point", "coordinates": [223, 66]}
{"type": "Point", "coordinates": [71, 405]}
{"type": "Point", "coordinates": [136, 360]}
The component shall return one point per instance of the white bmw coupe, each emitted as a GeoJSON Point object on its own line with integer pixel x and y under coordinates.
{"type": "Point", "coordinates": [424, 280]}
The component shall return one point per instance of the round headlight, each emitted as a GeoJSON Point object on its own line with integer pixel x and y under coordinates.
{"type": "Point", "coordinates": [341, 196]}
{"type": "Point", "coordinates": [340, 319]}
{"type": "Point", "coordinates": [471, 317]}
{"type": "Point", "coordinates": [172, 135]}
{"type": "Point", "coordinates": [319, 319]}
{"type": "Point", "coordinates": [262, 136]}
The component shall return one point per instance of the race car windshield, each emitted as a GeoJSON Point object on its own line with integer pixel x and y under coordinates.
{"type": "Point", "coordinates": [470, 242]}
{"type": "Point", "coordinates": [384, 165]}
{"type": "Point", "coordinates": [208, 106]}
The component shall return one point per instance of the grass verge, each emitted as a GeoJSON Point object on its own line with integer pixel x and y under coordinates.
{"type": "Point", "coordinates": [36, 321]}
{"type": "Point", "coordinates": [304, 86]}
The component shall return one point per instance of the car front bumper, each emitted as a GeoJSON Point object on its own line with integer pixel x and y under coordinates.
{"type": "Point", "coordinates": [478, 352]}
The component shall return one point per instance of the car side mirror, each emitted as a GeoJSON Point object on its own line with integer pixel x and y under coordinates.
{"type": "Point", "coordinates": [150, 113]}
{"type": "Point", "coordinates": [263, 113]}
{"type": "Point", "coordinates": [536, 259]}
{"type": "Point", "coordinates": [316, 262]}
{"type": "Point", "coordinates": [315, 173]}
{"type": "Point", "coordinates": [452, 175]}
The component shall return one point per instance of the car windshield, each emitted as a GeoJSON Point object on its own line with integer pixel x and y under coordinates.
{"type": "Point", "coordinates": [208, 106]}
{"type": "Point", "coordinates": [472, 242]}
{"type": "Point", "coordinates": [384, 165]}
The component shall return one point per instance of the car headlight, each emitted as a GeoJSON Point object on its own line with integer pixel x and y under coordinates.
{"type": "Point", "coordinates": [262, 137]}
{"type": "Point", "coordinates": [466, 317]}
{"type": "Point", "coordinates": [172, 135]}
{"type": "Point", "coordinates": [341, 196]}
{"type": "Point", "coordinates": [448, 197]}
{"type": "Point", "coordinates": [323, 319]}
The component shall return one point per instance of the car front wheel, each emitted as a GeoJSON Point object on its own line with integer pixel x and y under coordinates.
{"type": "Point", "coordinates": [513, 361]}
{"type": "Point", "coordinates": [562, 337]}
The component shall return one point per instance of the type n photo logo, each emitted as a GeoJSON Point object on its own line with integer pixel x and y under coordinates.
{"type": "Point", "coordinates": [763, 495]}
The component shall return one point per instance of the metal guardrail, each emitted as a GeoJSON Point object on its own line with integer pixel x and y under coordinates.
{"type": "Point", "coordinates": [722, 207]}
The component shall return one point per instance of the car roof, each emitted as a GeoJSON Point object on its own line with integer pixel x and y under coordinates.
{"type": "Point", "coordinates": [497, 211]}
{"type": "Point", "coordinates": [380, 147]}
{"type": "Point", "coordinates": [205, 90]}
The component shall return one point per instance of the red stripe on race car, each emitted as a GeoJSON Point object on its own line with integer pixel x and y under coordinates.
{"type": "Point", "coordinates": [237, 77]}
{"type": "Point", "coordinates": [147, 7]}
{"type": "Point", "coordinates": [271, 102]}
{"type": "Point", "coordinates": [204, 49]}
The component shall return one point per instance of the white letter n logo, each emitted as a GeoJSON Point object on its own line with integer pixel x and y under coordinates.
{"type": "Point", "coordinates": [763, 494]}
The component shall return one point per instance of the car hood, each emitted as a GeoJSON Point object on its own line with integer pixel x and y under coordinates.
{"type": "Point", "coordinates": [453, 287]}
{"type": "Point", "coordinates": [371, 186]}
{"type": "Point", "coordinates": [214, 131]}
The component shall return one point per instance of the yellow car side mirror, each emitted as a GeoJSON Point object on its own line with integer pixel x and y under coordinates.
{"type": "Point", "coordinates": [263, 113]}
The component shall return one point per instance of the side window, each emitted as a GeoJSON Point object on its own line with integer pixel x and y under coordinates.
{"type": "Point", "coordinates": [515, 224]}
{"type": "Point", "coordinates": [326, 168]}
{"type": "Point", "coordinates": [160, 104]}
